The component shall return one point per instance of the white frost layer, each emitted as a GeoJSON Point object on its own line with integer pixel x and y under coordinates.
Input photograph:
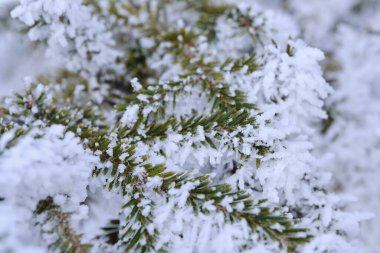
{"type": "Point", "coordinates": [44, 163]}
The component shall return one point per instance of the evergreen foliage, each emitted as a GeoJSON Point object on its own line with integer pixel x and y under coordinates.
{"type": "Point", "coordinates": [169, 126]}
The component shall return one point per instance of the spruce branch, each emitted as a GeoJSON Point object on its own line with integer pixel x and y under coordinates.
{"type": "Point", "coordinates": [187, 117]}
{"type": "Point", "coordinates": [66, 238]}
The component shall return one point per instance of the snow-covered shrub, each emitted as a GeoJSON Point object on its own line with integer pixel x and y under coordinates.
{"type": "Point", "coordinates": [171, 126]}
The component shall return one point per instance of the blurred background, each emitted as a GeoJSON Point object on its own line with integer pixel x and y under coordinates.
{"type": "Point", "coordinates": [19, 57]}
